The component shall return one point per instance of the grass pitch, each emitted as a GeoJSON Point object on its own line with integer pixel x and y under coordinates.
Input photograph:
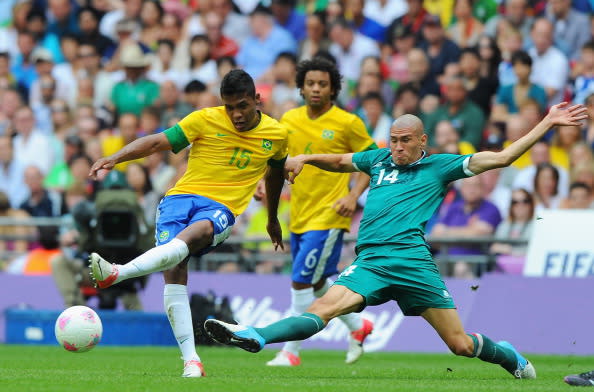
{"type": "Point", "coordinates": [156, 369]}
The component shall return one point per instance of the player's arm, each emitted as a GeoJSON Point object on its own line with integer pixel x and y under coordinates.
{"type": "Point", "coordinates": [340, 163]}
{"type": "Point", "coordinates": [139, 148]}
{"type": "Point", "coordinates": [274, 181]}
{"type": "Point", "coordinates": [559, 114]}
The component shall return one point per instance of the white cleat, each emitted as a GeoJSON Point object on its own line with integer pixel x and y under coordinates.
{"type": "Point", "coordinates": [284, 358]}
{"type": "Point", "coordinates": [103, 273]}
{"type": "Point", "coordinates": [194, 369]}
{"type": "Point", "coordinates": [356, 339]}
{"type": "Point", "coordinates": [528, 372]}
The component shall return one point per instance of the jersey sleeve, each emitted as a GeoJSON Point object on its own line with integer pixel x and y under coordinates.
{"type": "Point", "coordinates": [279, 158]}
{"type": "Point", "coordinates": [192, 125]}
{"type": "Point", "coordinates": [358, 138]}
{"type": "Point", "coordinates": [364, 161]}
{"type": "Point", "coordinates": [452, 167]}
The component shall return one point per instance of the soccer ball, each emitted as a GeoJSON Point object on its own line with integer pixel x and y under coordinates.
{"type": "Point", "coordinates": [78, 329]}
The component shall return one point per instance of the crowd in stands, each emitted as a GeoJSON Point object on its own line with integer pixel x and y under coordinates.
{"type": "Point", "coordinates": [79, 79]}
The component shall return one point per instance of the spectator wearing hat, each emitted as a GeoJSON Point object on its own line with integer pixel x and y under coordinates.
{"type": "Point", "coordinates": [265, 41]}
{"type": "Point", "coordinates": [439, 48]}
{"type": "Point", "coordinates": [402, 41]}
{"type": "Point", "coordinates": [126, 30]}
{"type": "Point", "coordinates": [136, 91]}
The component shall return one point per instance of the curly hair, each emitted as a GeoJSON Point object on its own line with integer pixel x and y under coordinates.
{"type": "Point", "coordinates": [323, 65]}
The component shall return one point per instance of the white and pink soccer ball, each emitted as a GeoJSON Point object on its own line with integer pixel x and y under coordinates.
{"type": "Point", "coordinates": [78, 329]}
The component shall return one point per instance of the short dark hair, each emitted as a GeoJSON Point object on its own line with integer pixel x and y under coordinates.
{"type": "Point", "coordinates": [166, 42]}
{"type": "Point", "coordinates": [195, 86]}
{"type": "Point", "coordinates": [407, 87]}
{"type": "Point", "coordinates": [579, 184]}
{"type": "Point", "coordinates": [521, 57]}
{"type": "Point", "coordinates": [226, 59]}
{"type": "Point", "coordinates": [287, 56]}
{"type": "Point", "coordinates": [588, 45]}
{"type": "Point", "coordinates": [238, 82]}
{"type": "Point", "coordinates": [373, 96]}
{"type": "Point", "coordinates": [472, 51]}
{"type": "Point", "coordinates": [323, 65]}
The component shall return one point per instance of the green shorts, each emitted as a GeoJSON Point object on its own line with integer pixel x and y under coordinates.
{"type": "Point", "coordinates": [408, 276]}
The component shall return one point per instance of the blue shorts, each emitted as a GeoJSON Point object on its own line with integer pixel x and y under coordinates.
{"type": "Point", "coordinates": [315, 254]}
{"type": "Point", "coordinates": [176, 212]}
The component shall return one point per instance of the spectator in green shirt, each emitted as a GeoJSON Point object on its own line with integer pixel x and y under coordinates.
{"type": "Point", "coordinates": [135, 92]}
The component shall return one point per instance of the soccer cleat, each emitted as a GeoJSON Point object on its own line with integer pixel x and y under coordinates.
{"type": "Point", "coordinates": [103, 273]}
{"type": "Point", "coordinates": [356, 340]}
{"type": "Point", "coordinates": [284, 358]}
{"type": "Point", "coordinates": [580, 380]}
{"type": "Point", "coordinates": [193, 368]}
{"type": "Point", "coordinates": [525, 368]}
{"type": "Point", "coordinates": [234, 335]}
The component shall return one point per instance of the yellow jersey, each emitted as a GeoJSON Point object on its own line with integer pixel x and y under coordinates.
{"type": "Point", "coordinates": [224, 164]}
{"type": "Point", "coordinates": [523, 160]}
{"type": "Point", "coordinates": [112, 144]}
{"type": "Point", "coordinates": [315, 190]}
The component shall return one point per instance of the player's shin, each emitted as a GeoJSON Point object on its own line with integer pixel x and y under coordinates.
{"type": "Point", "coordinates": [159, 258]}
{"type": "Point", "coordinates": [300, 301]}
{"type": "Point", "coordinates": [487, 350]}
{"type": "Point", "coordinates": [292, 328]}
{"type": "Point", "coordinates": [177, 307]}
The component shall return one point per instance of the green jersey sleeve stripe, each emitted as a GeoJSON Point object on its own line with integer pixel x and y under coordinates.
{"type": "Point", "coordinates": [176, 138]}
{"type": "Point", "coordinates": [355, 166]}
{"type": "Point", "coordinates": [465, 164]}
{"type": "Point", "coordinates": [277, 163]}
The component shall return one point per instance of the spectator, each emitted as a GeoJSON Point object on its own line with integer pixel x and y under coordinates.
{"type": "Point", "coordinates": [127, 30]}
{"type": "Point", "coordinates": [64, 18]}
{"type": "Point", "coordinates": [44, 66]}
{"type": "Point", "coordinates": [18, 246]}
{"type": "Point", "coordinates": [126, 132]}
{"type": "Point", "coordinates": [160, 172]}
{"type": "Point", "coordinates": [88, 20]}
{"type": "Point", "coordinates": [569, 26]}
{"type": "Point", "coordinates": [150, 121]}
{"type": "Point", "coordinates": [350, 47]}
{"type": "Point", "coordinates": [6, 78]}
{"type": "Point", "coordinates": [516, 126]}
{"type": "Point", "coordinates": [235, 25]}
{"type": "Point", "coordinates": [12, 172]}
{"type": "Point", "coordinates": [546, 187]}
{"type": "Point", "coordinates": [539, 154]}
{"type": "Point", "coordinates": [480, 89]}
{"type": "Point", "coordinates": [130, 10]}
{"type": "Point", "coordinates": [375, 118]}
{"type": "Point", "coordinates": [583, 74]}
{"type": "Point", "coordinates": [202, 66]}
{"type": "Point", "coordinates": [289, 18]}
{"type": "Point", "coordinates": [471, 216]}
{"type": "Point", "coordinates": [465, 116]}
{"type": "Point", "coordinates": [90, 67]}
{"type": "Point", "coordinates": [402, 42]}
{"type": "Point", "coordinates": [221, 45]}
{"type": "Point", "coordinates": [413, 18]}
{"type": "Point", "coordinates": [466, 31]}
{"type": "Point", "coordinates": [316, 38]}
{"type": "Point", "coordinates": [550, 66]}
{"type": "Point", "coordinates": [8, 34]}
{"type": "Point", "coordinates": [447, 140]}
{"type": "Point", "coordinates": [490, 58]}
{"type": "Point", "coordinates": [517, 226]}
{"type": "Point", "coordinates": [515, 15]}
{"type": "Point", "coordinates": [362, 24]}
{"type": "Point", "coordinates": [420, 75]}
{"type": "Point", "coordinates": [40, 202]}
{"type": "Point", "coordinates": [440, 50]}
{"type": "Point", "coordinates": [10, 102]}
{"type": "Point", "coordinates": [407, 100]}
{"type": "Point", "coordinates": [193, 91]}
{"type": "Point", "coordinates": [50, 41]}
{"type": "Point", "coordinates": [385, 11]}
{"type": "Point", "coordinates": [170, 105]}
{"type": "Point", "coordinates": [510, 41]}
{"type": "Point", "coordinates": [580, 153]}
{"type": "Point", "coordinates": [139, 181]}
{"type": "Point", "coordinates": [265, 41]}
{"type": "Point", "coordinates": [580, 197]}
{"type": "Point", "coordinates": [562, 142]}
{"type": "Point", "coordinates": [30, 144]}
{"type": "Point", "coordinates": [511, 97]}
{"type": "Point", "coordinates": [135, 92]}
{"type": "Point", "coordinates": [151, 14]}
{"type": "Point", "coordinates": [23, 66]}
{"type": "Point", "coordinates": [588, 129]}
{"type": "Point", "coordinates": [60, 176]}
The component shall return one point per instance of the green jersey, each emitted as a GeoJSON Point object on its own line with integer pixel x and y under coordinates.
{"type": "Point", "coordinates": [403, 198]}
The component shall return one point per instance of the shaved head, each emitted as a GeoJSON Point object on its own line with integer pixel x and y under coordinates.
{"type": "Point", "coordinates": [409, 121]}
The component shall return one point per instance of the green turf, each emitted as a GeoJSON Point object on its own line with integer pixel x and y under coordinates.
{"type": "Point", "coordinates": [153, 369]}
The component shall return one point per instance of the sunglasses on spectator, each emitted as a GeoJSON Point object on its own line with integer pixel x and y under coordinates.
{"type": "Point", "coordinates": [522, 201]}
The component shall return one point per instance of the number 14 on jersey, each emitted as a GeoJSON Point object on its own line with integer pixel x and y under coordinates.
{"type": "Point", "coordinates": [391, 176]}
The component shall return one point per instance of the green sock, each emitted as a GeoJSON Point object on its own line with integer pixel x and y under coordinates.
{"type": "Point", "coordinates": [487, 350]}
{"type": "Point", "coordinates": [292, 328]}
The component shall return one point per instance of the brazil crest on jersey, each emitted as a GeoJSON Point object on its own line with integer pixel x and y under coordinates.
{"type": "Point", "coordinates": [225, 165]}
{"type": "Point", "coordinates": [402, 198]}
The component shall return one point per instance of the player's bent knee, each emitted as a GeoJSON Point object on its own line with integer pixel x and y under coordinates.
{"type": "Point", "coordinates": [325, 309]}
{"type": "Point", "coordinates": [461, 347]}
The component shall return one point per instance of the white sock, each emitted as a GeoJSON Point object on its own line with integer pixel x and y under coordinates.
{"type": "Point", "coordinates": [159, 258]}
{"type": "Point", "coordinates": [300, 301]}
{"type": "Point", "coordinates": [177, 307]}
{"type": "Point", "coordinates": [353, 321]}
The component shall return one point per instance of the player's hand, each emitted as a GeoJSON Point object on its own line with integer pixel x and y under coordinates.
{"type": "Point", "coordinates": [293, 167]}
{"type": "Point", "coordinates": [260, 190]}
{"type": "Point", "coordinates": [562, 114]}
{"type": "Point", "coordinates": [345, 206]}
{"type": "Point", "coordinates": [276, 233]}
{"type": "Point", "coordinates": [100, 168]}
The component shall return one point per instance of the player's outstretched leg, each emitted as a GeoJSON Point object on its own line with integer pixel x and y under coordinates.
{"type": "Point", "coordinates": [360, 327]}
{"type": "Point", "coordinates": [159, 258]}
{"type": "Point", "coordinates": [253, 339]}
